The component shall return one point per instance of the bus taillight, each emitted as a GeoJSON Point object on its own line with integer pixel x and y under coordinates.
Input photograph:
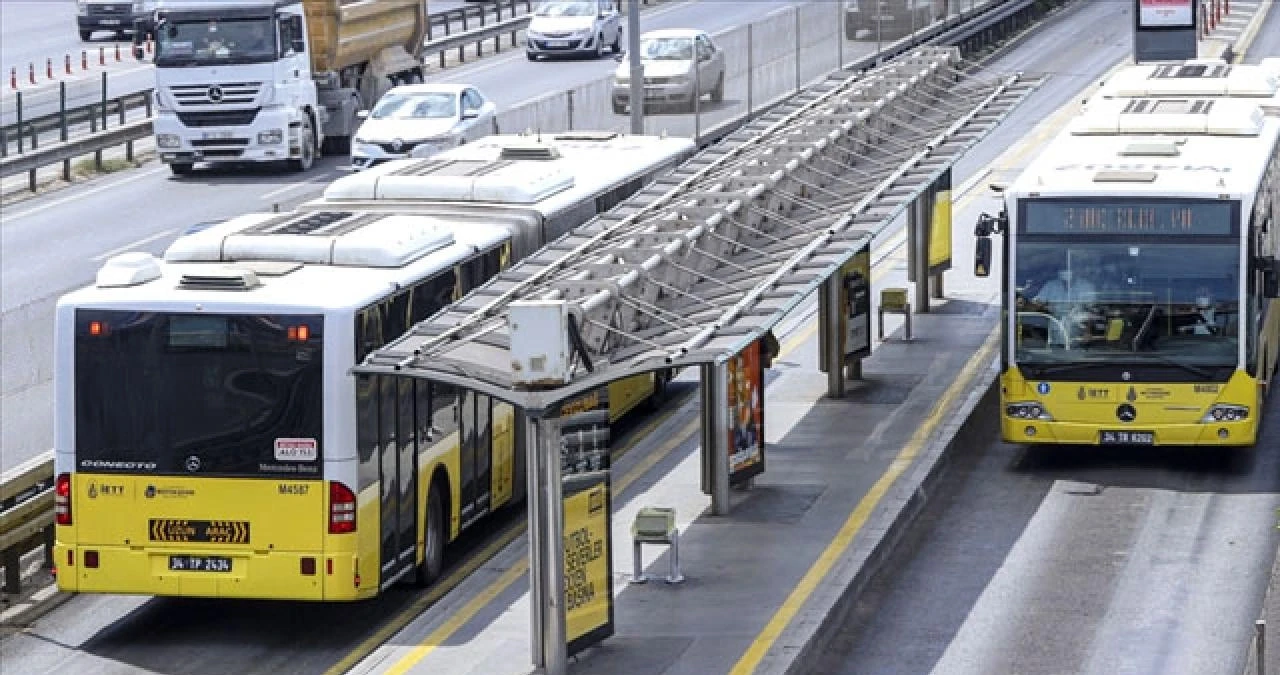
{"type": "Point", "coordinates": [62, 499]}
{"type": "Point", "coordinates": [342, 509]}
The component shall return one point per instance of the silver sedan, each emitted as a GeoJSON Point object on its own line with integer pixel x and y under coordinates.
{"type": "Point", "coordinates": [670, 76]}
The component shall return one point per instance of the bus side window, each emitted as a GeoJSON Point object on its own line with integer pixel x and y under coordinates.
{"type": "Point", "coordinates": [369, 334]}
{"type": "Point", "coordinates": [444, 410]}
{"type": "Point", "coordinates": [367, 430]}
{"type": "Point", "coordinates": [430, 295]}
{"type": "Point", "coordinates": [396, 319]}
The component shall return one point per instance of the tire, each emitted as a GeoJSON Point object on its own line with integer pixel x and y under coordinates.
{"type": "Point", "coordinates": [531, 56]}
{"type": "Point", "coordinates": [619, 109]}
{"type": "Point", "coordinates": [180, 169]}
{"type": "Point", "coordinates": [661, 380]}
{"type": "Point", "coordinates": [434, 540]}
{"type": "Point", "coordinates": [717, 94]}
{"type": "Point", "coordinates": [600, 46]}
{"type": "Point", "coordinates": [616, 47]}
{"type": "Point", "coordinates": [308, 158]}
{"type": "Point", "coordinates": [86, 35]}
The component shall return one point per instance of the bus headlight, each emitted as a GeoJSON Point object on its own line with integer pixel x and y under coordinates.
{"type": "Point", "coordinates": [1028, 410]}
{"type": "Point", "coordinates": [1222, 412]}
{"type": "Point", "coordinates": [168, 141]}
{"type": "Point", "coordinates": [271, 137]}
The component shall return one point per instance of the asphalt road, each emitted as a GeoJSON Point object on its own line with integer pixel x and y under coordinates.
{"type": "Point", "coordinates": [55, 243]}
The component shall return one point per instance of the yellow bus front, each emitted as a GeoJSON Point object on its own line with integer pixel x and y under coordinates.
{"type": "Point", "coordinates": [199, 467]}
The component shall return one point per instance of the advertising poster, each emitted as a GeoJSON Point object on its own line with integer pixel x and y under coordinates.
{"type": "Point", "coordinates": [1165, 13]}
{"type": "Point", "coordinates": [855, 320]}
{"type": "Point", "coordinates": [584, 466]}
{"type": "Point", "coordinates": [940, 226]}
{"type": "Point", "coordinates": [745, 380]}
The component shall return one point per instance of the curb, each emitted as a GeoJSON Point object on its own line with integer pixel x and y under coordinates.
{"type": "Point", "coordinates": [20, 616]}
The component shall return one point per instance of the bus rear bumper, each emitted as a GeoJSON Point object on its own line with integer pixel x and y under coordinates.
{"type": "Point", "coordinates": [1224, 434]}
{"type": "Point", "coordinates": [273, 575]}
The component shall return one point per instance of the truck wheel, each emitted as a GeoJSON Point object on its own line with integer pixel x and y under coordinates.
{"type": "Point", "coordinates": [616, 47]}
{"type": "Point", "coordinates": [619, 109]}
{"type": "Point", "coordinates": [434, 540]}
{"type": "Point", "coordinates": [86, 35]}
{"type": "Point", "coordinates": [308, 149]}
{"type": "Point", "coordinates": [181, 169]}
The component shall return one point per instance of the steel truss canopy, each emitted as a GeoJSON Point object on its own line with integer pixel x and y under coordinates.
{"type": "Point", "coordinates": [704, 261]}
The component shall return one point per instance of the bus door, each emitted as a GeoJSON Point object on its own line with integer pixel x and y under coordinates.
{"type": "Point", "coordinates": [396, 468]}
{"type": "Point", "coordinates": [477, 433]}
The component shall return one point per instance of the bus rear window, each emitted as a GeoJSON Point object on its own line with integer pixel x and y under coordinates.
{"type": "Point", "coordinates": [196, 394]}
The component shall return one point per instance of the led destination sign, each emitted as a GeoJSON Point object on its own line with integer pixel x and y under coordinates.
{"type": "Point", "coordinates": [1128, 217]}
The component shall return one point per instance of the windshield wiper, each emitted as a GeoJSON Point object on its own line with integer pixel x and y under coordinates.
{"type": "Point", "coordinates": [1040, 371]}
{"type": "Point", "coordinates": [1199, 372]}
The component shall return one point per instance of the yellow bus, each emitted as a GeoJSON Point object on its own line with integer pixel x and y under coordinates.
{"type": "Point", "coordinates": [210, 438]}
{"type": "Point", "coordinates": [1140, 276]}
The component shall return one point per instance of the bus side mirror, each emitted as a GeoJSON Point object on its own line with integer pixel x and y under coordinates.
{"type": "Point", "coordinates": [982, 257]}
{"type": "Point", "coordinates": [1271, 279]}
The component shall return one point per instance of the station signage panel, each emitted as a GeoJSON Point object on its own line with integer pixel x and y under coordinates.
{"type": "Point", "coordinates": [1165, 30]}
{"type": "Point", "coordinates": [745, 399]}
{"type": "Point", "coordinates": [587, 531]}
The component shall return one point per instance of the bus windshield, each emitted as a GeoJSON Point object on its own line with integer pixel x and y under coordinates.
{"type": "Point", "coordinates": [198, 394]}
{"type": "Point", "coordinates": [1157, 302]}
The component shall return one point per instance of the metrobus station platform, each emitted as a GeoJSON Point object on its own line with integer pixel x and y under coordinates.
{"type": "Point", "coordinates": [761, 584]}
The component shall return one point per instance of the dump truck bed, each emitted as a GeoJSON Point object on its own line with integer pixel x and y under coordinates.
{"type": "Point", "coordinates": [349, 32]}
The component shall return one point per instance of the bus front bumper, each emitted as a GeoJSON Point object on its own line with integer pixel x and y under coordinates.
{"type": "Point", "coordinates": [1015, 430]}
{"type": "Point", "coordinates": [273, 575]}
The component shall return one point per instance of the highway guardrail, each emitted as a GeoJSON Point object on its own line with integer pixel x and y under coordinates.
{"type": "Point", "coordinates": [26, 516]}
{"type": "Point", "coordinates": [65, 151]}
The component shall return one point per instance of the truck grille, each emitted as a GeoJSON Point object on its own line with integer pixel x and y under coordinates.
{"type": "Point", "coordinates": [230, 93]}
{"type": "Point", "coordinates": [219, 118]}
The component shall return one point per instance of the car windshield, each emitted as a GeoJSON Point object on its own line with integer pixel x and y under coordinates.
{"type": "Point", "coordinates": [566, 9]}
{"type": "Point", "coordinates": [667, 49]}
{"type": "Point", "coordinates": [216, 41]}
{"type": "Point", "coordinates": [428, 105]}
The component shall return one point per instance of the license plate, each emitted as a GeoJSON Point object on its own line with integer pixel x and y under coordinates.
{"type": "Point", "coordinates": [557, 43]}
{"type": "Point", "coordinates": [217, 135]}
{"type": "Point", "coordinates": [110, 22]}
{"type": "Point", "coordinates": [1127, 438]}
{"type": "Point", "coordinates": [199, 563]}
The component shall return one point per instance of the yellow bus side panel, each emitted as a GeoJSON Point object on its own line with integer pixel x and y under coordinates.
{"type": "Point", "coordinates": [1172, 411]}
{"type": "Point", "coordinates": [627, 393]}
{"type": "Point", "coordinates": [503, 463]}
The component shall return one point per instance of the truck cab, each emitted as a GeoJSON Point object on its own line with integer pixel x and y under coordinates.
{"type": "Point", "coordinates": [273, 80]}
{"type": "Point", "coordinates": [114, 16]}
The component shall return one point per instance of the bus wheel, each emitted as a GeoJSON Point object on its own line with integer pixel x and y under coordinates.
{"type": "Point", "coordinates": [433, 546]}
{"type": "Point", "coordinates": [659, 395]}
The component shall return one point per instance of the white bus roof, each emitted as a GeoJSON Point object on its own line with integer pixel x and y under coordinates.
{"type": "Point", "coordinates": [545, 172]}
{"type": "Point", "coordinates": [1205, 77]}
{"type": "Point", "coordinates": [270, 263]}
{"type": "Point", "coordinates": [1155, 152]}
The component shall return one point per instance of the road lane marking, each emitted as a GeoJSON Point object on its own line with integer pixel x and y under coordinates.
{"type": "Point", "coordinates": [862, 512]}
{"type": "Point", "coordinates": [132, 245]}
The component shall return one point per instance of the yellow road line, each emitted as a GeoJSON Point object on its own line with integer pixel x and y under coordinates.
{"type": "Point", "coordinates": [858, 517]}
{"type": "Point", "coordinates": [1251, 31]}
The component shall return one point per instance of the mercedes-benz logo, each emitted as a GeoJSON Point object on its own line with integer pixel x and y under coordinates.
{"type": "Point", "coordinates": [397, 144]}
{"type": "Point", "coordinates": [193, 464]}
{"type": "Point", "coordinates": [215, 94]}
{"type": "Point", "coordinates": [1126, 413]}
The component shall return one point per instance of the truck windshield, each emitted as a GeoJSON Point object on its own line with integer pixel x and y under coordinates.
{"type": "Point", "coordinates": [198, 394]}
{"type": "Point", "coordinates": [222, 41]}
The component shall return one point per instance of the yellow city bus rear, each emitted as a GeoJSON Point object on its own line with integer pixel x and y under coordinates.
{"type": "Point", "coordinates": [199, 462]}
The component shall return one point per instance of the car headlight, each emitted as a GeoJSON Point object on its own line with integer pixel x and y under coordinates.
{"type": "Point", "coordinates": [82, 7]}
{"type": "Point", "coordinates": [1028, 410]}
{"type": "Point", "coordinates": [139, 7]}
{"type": "Point", "coordinates": [1222, 412]}
{"type": "Point", "coordinates": [532, 35]}
{"type": "Point", "coordinates": [426, 149]}
{"type": "Point", "coordinates": [168, 141]}
{"type": "Point", "coordinates": [271, 137]}
{"type": "Point", "coordinates": [623, 80]}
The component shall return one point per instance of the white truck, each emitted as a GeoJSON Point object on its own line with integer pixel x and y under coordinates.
{"type": "Point", "coordinates": [275, 80]}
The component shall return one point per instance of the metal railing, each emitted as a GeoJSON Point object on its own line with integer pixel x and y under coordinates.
{"type": "Point", "coordinates": [26, 517]}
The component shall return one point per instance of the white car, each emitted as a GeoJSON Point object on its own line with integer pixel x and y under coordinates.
{"type": "Point", "coordinates": [419, 120]}
{"type": "Point", "coordinates": [667, 57]}
{"type": "Point", "coordinates": [564, 27]}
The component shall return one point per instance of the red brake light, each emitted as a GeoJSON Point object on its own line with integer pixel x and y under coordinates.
{"type": "Point", "coordinates": [342, 509]}
{"type": "Point", "coordinates": [62, 499]}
